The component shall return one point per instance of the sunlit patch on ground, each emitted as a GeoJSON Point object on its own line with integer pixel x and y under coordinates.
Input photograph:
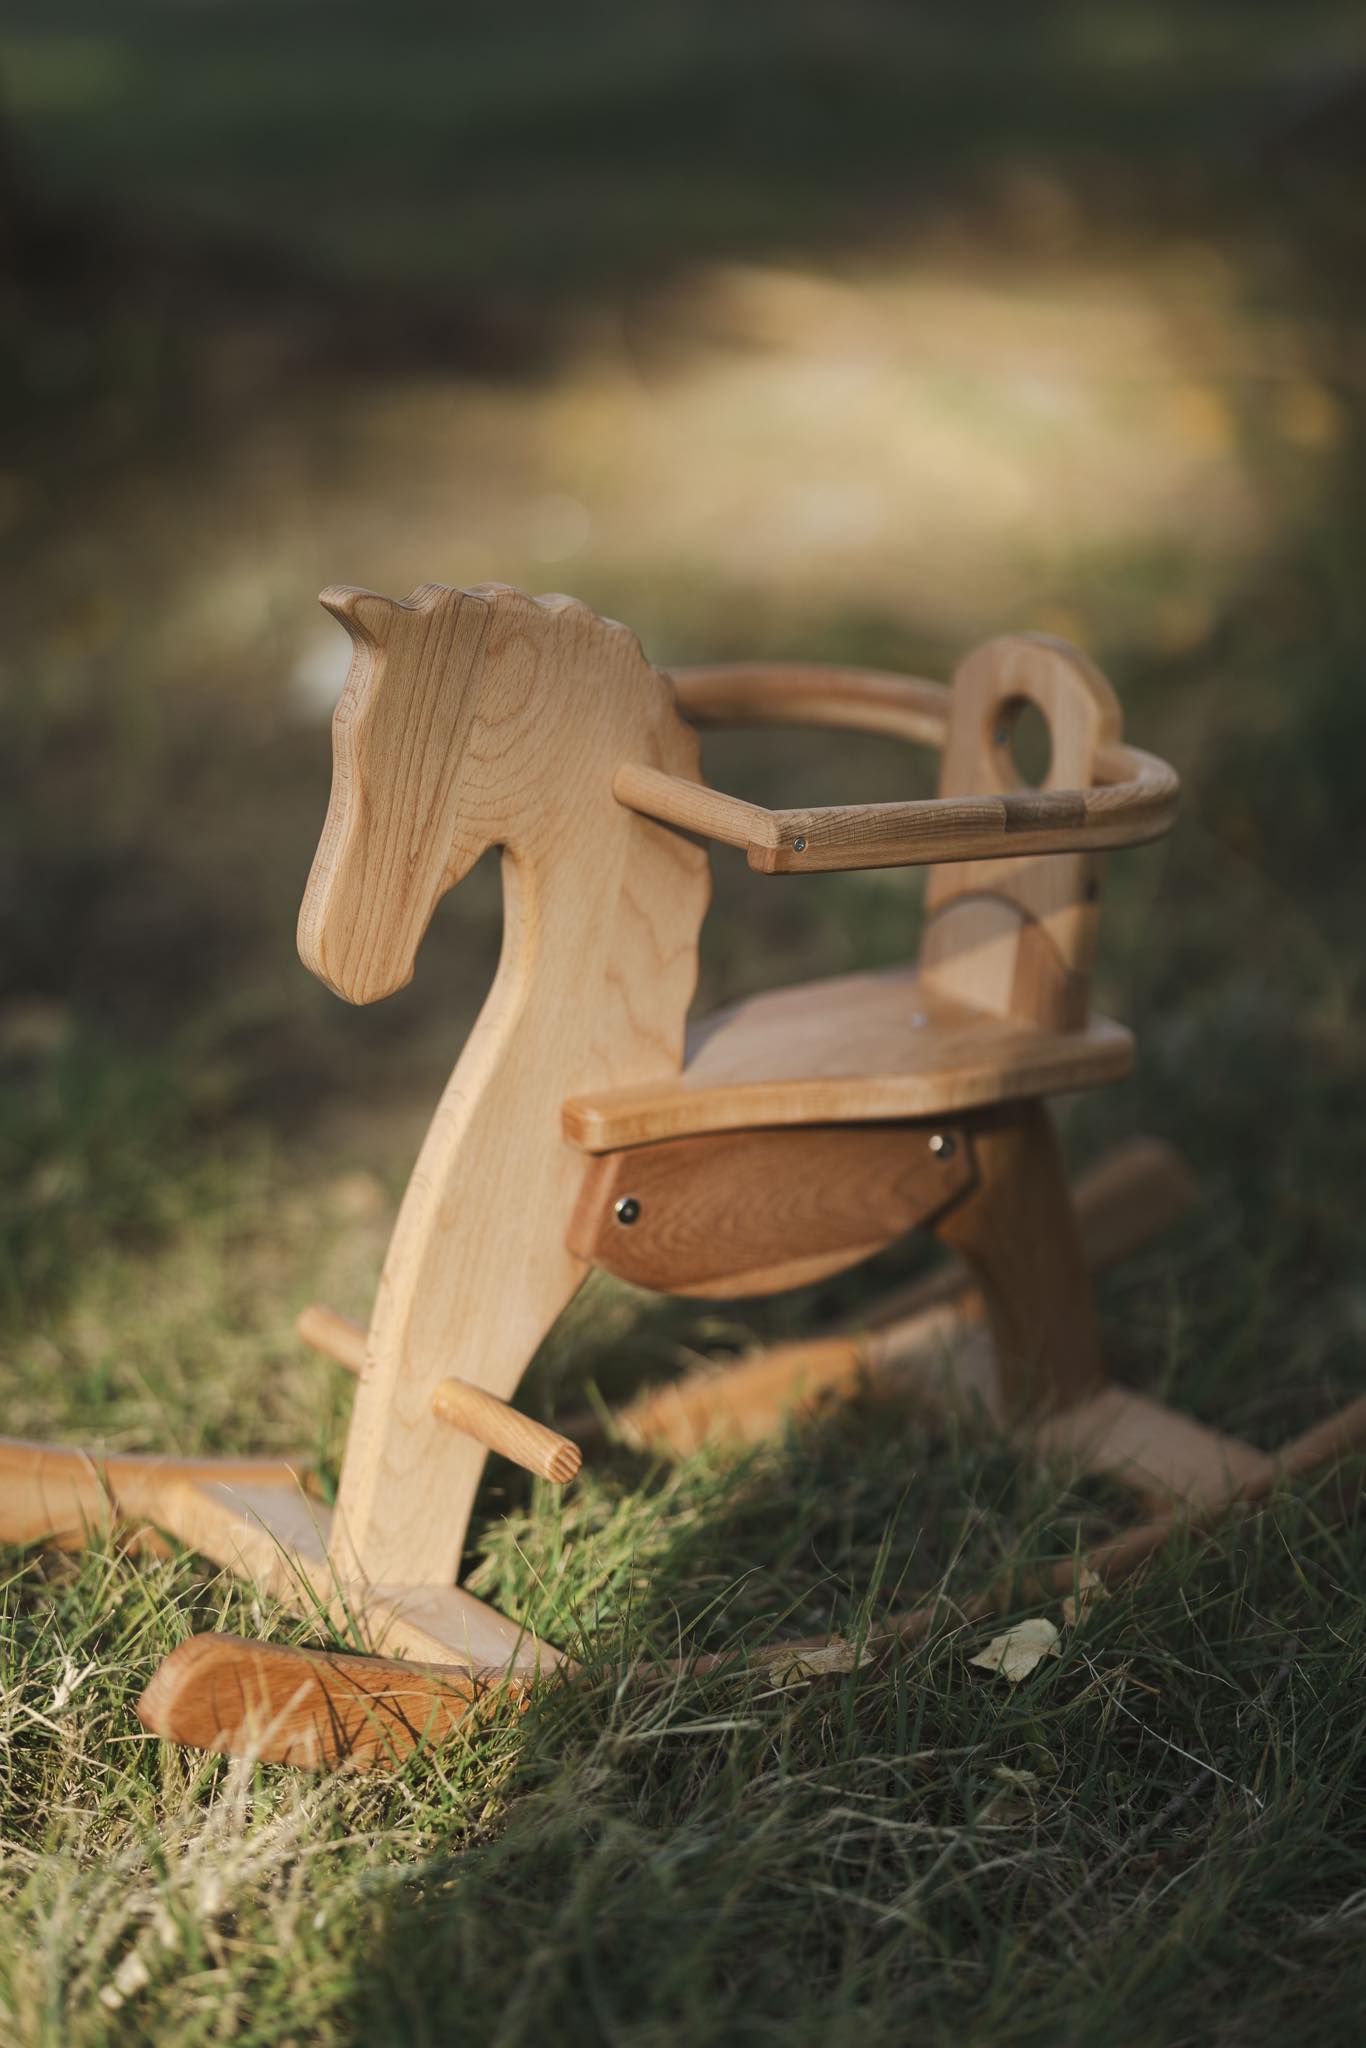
{"type": "Point", "coordinates": [1100, 450]}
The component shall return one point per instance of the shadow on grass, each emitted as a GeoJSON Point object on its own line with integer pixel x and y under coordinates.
{"type": "Point", "coordinates": [912, 1845]}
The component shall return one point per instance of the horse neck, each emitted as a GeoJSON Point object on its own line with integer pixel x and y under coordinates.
{"type": "Point", "coordinates": [598, 969]}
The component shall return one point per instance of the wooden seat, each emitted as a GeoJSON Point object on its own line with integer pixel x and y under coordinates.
{"type": "Point", "coordinates": [861, 1048]}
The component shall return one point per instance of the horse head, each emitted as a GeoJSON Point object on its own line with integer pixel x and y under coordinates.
{"type": "Point", "coordinates": [469, 719]}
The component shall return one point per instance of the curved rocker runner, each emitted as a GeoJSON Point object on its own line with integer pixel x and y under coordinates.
{"type": "Point", "coordinates": [585, 1124]}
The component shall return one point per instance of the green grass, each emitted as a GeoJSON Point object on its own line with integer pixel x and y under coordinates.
{"type": "Point", "coordinates": [1160, 1836]}
{"type": "Point", "coordinates": [1156, 1838]}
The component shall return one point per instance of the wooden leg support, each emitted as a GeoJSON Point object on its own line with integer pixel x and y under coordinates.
{"type": "Point", "coordinates": [1017, 1232]}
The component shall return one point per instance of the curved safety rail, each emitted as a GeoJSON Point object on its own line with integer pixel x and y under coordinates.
{"type": "Point", "coordinates": [1133, 800]}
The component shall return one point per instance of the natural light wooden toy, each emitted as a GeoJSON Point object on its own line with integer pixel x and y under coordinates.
{"type": "Point", "coordinates": [774, 1143]}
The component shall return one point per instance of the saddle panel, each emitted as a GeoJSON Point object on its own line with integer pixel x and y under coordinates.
{"type": "Point", "coordinates": [860, 1048]}
{"type": "Point", "coordinates": [757, 1212]}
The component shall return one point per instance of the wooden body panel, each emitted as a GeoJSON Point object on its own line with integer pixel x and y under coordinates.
{"type": "Point", "coordinates": [859, 1048]}
{"type": "Point", "coordinates": [763, 1210]}
{"type": "Point", "coordinates": [476, 719]}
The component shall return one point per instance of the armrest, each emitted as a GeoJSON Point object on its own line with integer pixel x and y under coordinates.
{"type": "Point", "coordinates": [1133, 800]}
{"type": "Point", "coordinates": [801, 693]}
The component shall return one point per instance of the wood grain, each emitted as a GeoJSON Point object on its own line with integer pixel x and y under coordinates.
{"type": "Point", "coordinates": [763, 1210]}
{"type": "Point", "coordinates": [693, 807]}
{"type": "Point", "coordinates": [1017, 1232]}
{"type": "Point", "coordinates": [835, 838]}
{"type": "Point", "coordinates": [278, 1539]}
{"type": "Point", "coordinates": [1123, 796]}
{"type": "Point", "coordinates": [338, 1337]}
{"type": "Point", "coordinates": [1135, 1192]}
{"type": "Point", "coordinates": [1004, 934]}
{"type": "Point", "coordinates": [491, 1422]}
{"type": "Point", "coordinates": [310, 1708]}
{"type": "Point", "coordinates": [504, 1429]}
{"type": "Point", "coordinates": [476, 719]}
{"type": "Point", "coordinates": [858, 1048]}
{"type": "Point", "coordinates": [808, 693]}
{"type": "Point", "coordinates": [318, 1709]}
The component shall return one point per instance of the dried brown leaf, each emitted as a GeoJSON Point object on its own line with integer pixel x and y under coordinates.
{"type": "Point", "coordinates": [1017, 1651]}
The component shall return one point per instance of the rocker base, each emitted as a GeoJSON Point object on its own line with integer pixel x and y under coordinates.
{"type": "Point", "coordinates": [318, 1709]}
{"type": "Point", "coordinates": [312, 1708]}
{"type": "Point", "coordinates": [437, 1655]}
{"type": "Point", "coordinates": [277, 1704]}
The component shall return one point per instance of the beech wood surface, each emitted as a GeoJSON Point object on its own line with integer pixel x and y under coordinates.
{"type": "Point", "coordinates": [278, 1539]}
{"type": "Point", "coordinates": [763, 1210]}
{"type": "Point", "coordinates": [860, 1048]}
{"type": "Point", "coordinates": [1017, 1231]}
{"type": "Point", "coordinates": [921, 832]}
{"type": "Point", "coordinates": [313, 1709]}
{"type": "Point", "coordinates": [1017, 936]}
{"type": "Point", "coordinates": [1318, 1449]}
{"type": "Point", "coordinates": [320, 1708]}
{"type": "Point", "coordinates": [61, 1497]}
{"type": "Point", "coordinates": [504, 1429]}
{"type": "Point", "coordinates": [808, 693]}
{"type": "Point", "coordinates": [1123, 796]}
{"type": "Point", "coordinates": [1157, 1452]}
{"type": "Point", "coordinates": [477, 719]}
{"type": "Point", "coordinates": [491, 1422]}
{"type": "Point", "coordinates": [338, 1337]}
{"type": "Point", "coordinates": [1138, 1189]}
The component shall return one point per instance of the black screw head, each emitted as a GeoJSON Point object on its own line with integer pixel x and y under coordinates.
{"type": "Point", "coordinates": [627, 1209]}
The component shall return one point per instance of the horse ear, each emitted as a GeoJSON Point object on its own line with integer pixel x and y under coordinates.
{"type": "Point", "coordinates": [364, 613]}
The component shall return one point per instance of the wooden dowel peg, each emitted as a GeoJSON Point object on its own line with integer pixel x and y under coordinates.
{"type": "Point", "coordinates": [337, 1337]}
{"type": "Point", "coordinates": [483, 1416]}
{"type": "Point", "coordinates": [498, 1427]}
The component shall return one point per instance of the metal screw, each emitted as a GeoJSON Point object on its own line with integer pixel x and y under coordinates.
{"type": "Point", "coordinates": [943, 1144]}
{"type": "Point", "coordinates": [799, 844]}
{"type": "Point", "coordinates": [918, 1020]}
{"type": "Point", "coordinates": [1001, 736]}
{"type": "Point", "coordinates": [627, 1209]}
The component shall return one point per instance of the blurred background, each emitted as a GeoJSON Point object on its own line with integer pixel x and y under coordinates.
{"type": "Point", "coordinates": [856, 332]}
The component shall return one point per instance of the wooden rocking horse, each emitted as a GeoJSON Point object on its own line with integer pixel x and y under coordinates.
{"type": "Point", "coordinates": [778, 1142]}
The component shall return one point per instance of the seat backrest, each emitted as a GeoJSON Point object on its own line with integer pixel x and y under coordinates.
{"type": "Point", "coordinates": [1017, 937]}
